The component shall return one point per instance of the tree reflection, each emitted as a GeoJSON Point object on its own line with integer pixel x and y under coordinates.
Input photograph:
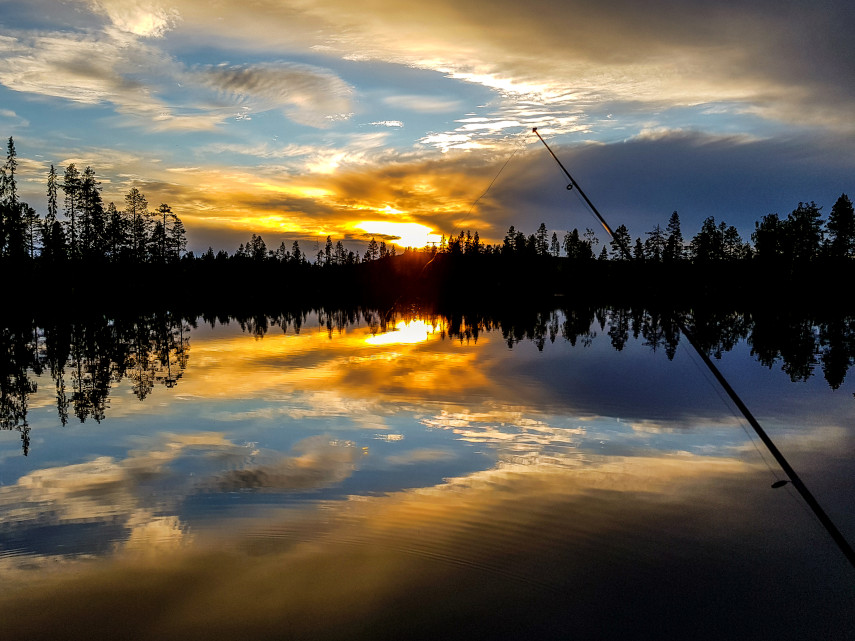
{"type": "Point", "coordinates": [86, 358]}
{"type": "Point", "coordinates": [18, 346]}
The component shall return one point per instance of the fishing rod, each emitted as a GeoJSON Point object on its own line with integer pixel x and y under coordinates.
{"type": "Point", "coordinates": [791, 474]}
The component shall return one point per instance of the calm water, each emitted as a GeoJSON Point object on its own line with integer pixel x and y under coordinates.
{"type": "Point", "coordinates": [351, 478]}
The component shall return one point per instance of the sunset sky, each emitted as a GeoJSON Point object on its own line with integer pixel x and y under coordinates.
{"type": "Point", "coordinates": [306, 118]}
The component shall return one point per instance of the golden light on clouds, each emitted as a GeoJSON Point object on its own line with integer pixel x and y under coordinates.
{"type": "Point", "coordinates": [403, 234]}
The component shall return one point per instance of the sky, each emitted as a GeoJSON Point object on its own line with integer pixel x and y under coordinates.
{"type": "Point", "coordinates": [304, 119]}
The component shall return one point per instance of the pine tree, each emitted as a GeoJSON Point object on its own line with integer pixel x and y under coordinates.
{"type": "Point", "coordinates": [340, 253]}
{"type": "Point", "coordinates": [136, 209]}
{"type": "Point", "coordinates": [118, 244]}
{"type": "Point", "coordinates": [654, 246]}
{"type": "Point", "coordinates": [372, 252]}
{"type": "Point", "coordinates": [508, 242]}
{"type": "Point", "coordinates": [708, 243]}
{"type": "Point", "coordinates": [50, 250]}
{"type": "Point", "coordinates": [674, 248]}
{"type": "Point", "coordinates": [168, 240]}
{"type": "Point", "coordinates": [92, 217]}
{"type": "Point", "coordinates": [541, 240]}
{"type": "Point", "coordinates": [9, 169]}
{"type": "Point", "coordinates": [71, 185]}
{"type": "Point", "coordinates": [805, 232]}
{"type": "Point", "coordinates": [328, 252]}
{"type": "Point", "coordinates": [733, 248]}
{"type": "Point", "coordinates": [841, 229]}
{"type": "Point", "coordinates": [12, 226]}
{"type": "Point", "coordinates": [32, 226]}
{"type": "Point", "coordinates": [620, 244]}
{"type": "Point", "coordinates": [176, 239]}
{"type": "Point", "coordinates": [769, 237]}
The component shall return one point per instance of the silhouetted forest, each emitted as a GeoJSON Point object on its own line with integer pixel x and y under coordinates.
{"type": "Point", "coordinates": [85, 356]}
{"type": "Point", "coordinates": [135, 257]}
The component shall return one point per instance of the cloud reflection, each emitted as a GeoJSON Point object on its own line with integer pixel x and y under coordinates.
{"type": "Point", "coordinates": [143, 492]}
{"type": "Point", "coordinates": [547, 547]}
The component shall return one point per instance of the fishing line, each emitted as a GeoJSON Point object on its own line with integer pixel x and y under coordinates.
{"type": "Point", "coordinates": [739, 419]}
{"type": "Point", "coordinates": [791, 474]}
{"type": "Point", "coordinates": [517, 147]}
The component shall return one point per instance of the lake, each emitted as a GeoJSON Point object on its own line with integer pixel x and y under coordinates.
{"type": "Point", "coordinates": [355, 474]}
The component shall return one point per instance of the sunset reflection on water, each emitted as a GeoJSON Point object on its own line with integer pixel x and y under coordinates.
{"type": "Point", "coordinates": [404, 484]}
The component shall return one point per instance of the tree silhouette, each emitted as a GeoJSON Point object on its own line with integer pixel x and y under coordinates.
{"type": "Point", "coordinates": [674, 248]}
{"type": "Point", "coordinates": [841, 229]}
{"type": "Point", "coordinates": [136, 209]}
{"type": "Point", "coordinates": [93, 219]}
{"type": "Point", "coordinates": [13, 214]}
{"type": "Point", "coordinates": [296, 254]}
{"type": "Point", "coordinates": [541, 240]}
{"type": "Point", "coordinates": [554, 246]}
{"type": "Point", "coordinates": [769, 237]}
{"type": "Point", "coordinates": [71, 186]}
{"type": "Point", "coordinates": [804, 232]}
{"type": "Point", "coordinates": [708, 244]}
{"type": "Point", "coordinates": [620, 244]}
{"type": "Point", "coordinates": [373, 251]}
{"type": "Point", "coordinates": [10, 187]}
{"type": "Point", "coordinates": [655, 245]}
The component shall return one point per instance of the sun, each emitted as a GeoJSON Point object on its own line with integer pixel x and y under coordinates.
{"type": "Point", "coordinates": [403, 333]}
{"type": "Point", "coordinates": [402, 234]}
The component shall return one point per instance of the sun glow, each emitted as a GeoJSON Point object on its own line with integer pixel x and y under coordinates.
{"type": "Point", "coordinates": [402, 234]}
{"type": "Point", "coordinates": [404, 333]}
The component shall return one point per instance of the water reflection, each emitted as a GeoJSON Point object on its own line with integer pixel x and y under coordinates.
{"type": "Point", "coordinates": [86, 358]}
{"type": "Point", "coordinates": [611, 548]}
{"type": "Point", "coordinates": [357, 474]}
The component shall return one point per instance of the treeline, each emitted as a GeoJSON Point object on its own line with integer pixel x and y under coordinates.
{"type": "Point", "coordinates": [803, 236]}
{"type": "Point", "coordinates": [87, 356]}
{"type": "Point", "coordinates": [801, 252]}
{"type": "Point", "coordinates": [92, 232]}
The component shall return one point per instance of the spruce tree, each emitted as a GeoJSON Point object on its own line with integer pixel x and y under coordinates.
{"type": "Point", "coordinates": [71, 185]}
{"type": "Point", "coordinates": [841, 229]}
{"type": "Point", "coordinates": [674, 248]}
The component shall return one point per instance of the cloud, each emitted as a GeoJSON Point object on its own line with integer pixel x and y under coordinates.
{"type": "Point", "coordinates": [74, 67]}
{"type": "Point", "coordinates": [308, 95]}
{"type": "Point", "coordinates": [145, 18]}
{"type": "Point", "coordinates": [319, 463]}
{"type": "Point", "coordinates": [117, 68]}
{"type": "Point", "coordinates": [141, 493]}
{"type": "Point", "coordinates": [14, 118]}
{"type": "Point", "coordinates": [422, 455]}
{"type": "Point", "coordinates": [100, 68]}
{"type": "Point", "coordinates": [423, 104]}
{"type": "Point", "coordinates": [660, 54]}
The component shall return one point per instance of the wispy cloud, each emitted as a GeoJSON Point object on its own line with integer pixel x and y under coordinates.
{"type": "Point", "coordinates": [308, 95]}
{"type": "Point", "coordinates": [146, 18]}
{"type": "Point", "coordinates": [423, 104]}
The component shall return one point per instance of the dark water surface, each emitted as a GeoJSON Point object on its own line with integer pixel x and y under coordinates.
{"type": "Point", "coordinates": [419, 478]}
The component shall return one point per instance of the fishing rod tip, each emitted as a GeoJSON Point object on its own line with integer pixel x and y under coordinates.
{"type": "Point", "coordinates": [534, 130]}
